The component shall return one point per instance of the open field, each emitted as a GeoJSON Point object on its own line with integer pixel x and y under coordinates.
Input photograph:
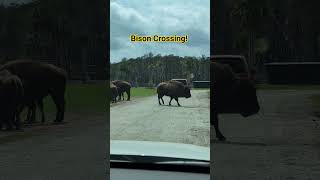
{"type": "Point", "coordinates": [82, 98]}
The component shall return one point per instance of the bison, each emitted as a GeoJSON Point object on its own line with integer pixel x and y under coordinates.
{"type": "Point", "coordinates": [40, 80]}
{"type": "Point", "coordinates": [173, 89]}
{"type": "Point", "coordinates": [231, 95]}
{"type": "Point", "coordinates": [114, 92]}
{"type": "Point", "coordinates": [11, 94]}
{"type": "Point", "coordinates": [123, 86]}
{"type": "Point", "coordinates": [32, 106]}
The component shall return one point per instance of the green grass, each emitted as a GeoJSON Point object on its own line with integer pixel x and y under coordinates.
{"type": "Point", "coordinates": [143, 92]}
{"type": "Point", "coordinates": [288, 87]}
{"type": "Point", "coordinates": [82, 98]}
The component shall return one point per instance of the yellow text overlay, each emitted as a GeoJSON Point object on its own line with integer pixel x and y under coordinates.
{"type": "Point", "coordinates": [158, 38]}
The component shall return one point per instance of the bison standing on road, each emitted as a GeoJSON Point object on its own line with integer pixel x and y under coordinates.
{"type": "Point", "coordinates": [123, 86]}
{"type": "Point", "coordinates": [11, 94]}
{"type": "Point", "coordinates": [40, 80]}
{"type": "Point", "coordinates": [231, 95]}
{"type": "Point", "coordinates": [173, 89]}
{"type": "Point", "coordinates": [114, 92]}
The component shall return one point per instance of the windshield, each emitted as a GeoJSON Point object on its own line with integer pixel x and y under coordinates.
{"type": "Point", "coordinates": [159, 52]}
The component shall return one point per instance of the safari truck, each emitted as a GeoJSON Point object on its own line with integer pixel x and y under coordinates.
{"type": "Point", "coordinates": [238, 64]}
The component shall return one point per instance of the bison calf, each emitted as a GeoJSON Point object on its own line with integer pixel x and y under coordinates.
{"type": "Point", "coordinates": [173, 89]}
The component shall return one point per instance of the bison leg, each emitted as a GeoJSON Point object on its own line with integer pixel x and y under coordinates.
{"type": "Point", "coordinates": [177, 101]}
{"type": "Point", "coordinates": [40, 104]}
{"type": "Point", "coordinates": [216, 127]}
{"type": "Point", "coordinates": [128, 94]}
{"type": "Point", "coordinates": [60, 105]}
{"type": "Point", "coordinates": [159, 97]}
{"type": "Point", "coordinates": [31, 113]}
{"type": "Point", "coordinates": [170, 101]}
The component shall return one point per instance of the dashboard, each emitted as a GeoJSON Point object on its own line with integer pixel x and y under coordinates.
{"type": "Point", "coordinates": [137, 174]}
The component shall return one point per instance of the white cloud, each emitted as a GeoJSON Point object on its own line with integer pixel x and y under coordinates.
{"type": "Point", "coordinates": [150, 17]}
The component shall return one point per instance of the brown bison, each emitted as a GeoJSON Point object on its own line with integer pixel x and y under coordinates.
{"type": "Point", "coordinates": [114, 92]}
{"type": "Point", "coordinates": [173, 89]}
{"type": "Point", "coordinates": [123, 86]}
{"type": "Point", "coordinates": [11, 94]}
{"type": "Point", "coordinates": [40, 80]}
{"type": "Point", "coordinates": [231, 95]}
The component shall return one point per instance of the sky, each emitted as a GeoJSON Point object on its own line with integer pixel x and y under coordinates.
{"type": "Point", "coordinates": [164, 17]}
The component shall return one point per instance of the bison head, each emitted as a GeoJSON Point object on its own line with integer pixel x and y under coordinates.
{"type": "Point", "coordinates": [187, 93]}
{"type": "Point", "coordinates": [247, 98]}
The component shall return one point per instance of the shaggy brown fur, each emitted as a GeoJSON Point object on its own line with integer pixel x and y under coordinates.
{"type": "Point", "coordinates": [173, 89]}
{"type": "Point", "coordinates": [230, 95]}
{"type": "Point", "coordinates": [40, 80]}
{"type": "Point", "coordinates": [11, 94]}
{"type": "Point", "coordinates": [123, 86]}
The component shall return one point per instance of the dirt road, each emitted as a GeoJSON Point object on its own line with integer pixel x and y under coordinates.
{"type": "Point", "coordinates": [282, 142]}
{"type": "Point", "coordinates": [76, 150]}
{"type": "Point", "coordinates": [144, 119]}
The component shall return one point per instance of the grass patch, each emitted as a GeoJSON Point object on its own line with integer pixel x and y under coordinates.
{"type": "Point", "coordinates": [143, 92]}
{"type": "Point", "coordinates": [288, 87]}
{"type": "Point", "coordinates": [82, 98]}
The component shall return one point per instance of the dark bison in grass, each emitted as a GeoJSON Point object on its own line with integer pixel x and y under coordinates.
{"type": "Point", "coordinates": [11, 95]}
{"type": "Point", "coordinates": [173, 89]}
{"type": "Point", "coordinates": [114, 92]}
{"type": "Point", "coordinates": [123, 86]}
{"type": "Point", "coordinates": [40, 80]}
{"type": "Point", "coordinates": [231, 95]}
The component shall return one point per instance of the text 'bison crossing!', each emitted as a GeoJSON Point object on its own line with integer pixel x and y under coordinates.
{"type": "Point", "coordinates": [158, 38]}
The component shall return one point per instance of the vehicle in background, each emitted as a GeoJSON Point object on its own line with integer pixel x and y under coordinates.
{"type": "Point", "coordinates": [238, 64]}
{"type": "Point", "coordinates": [184, 81]}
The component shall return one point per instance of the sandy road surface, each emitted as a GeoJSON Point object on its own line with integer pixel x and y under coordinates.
{"type": "Point", "coordinates": [72, 151]}
{"type": "Point", "coordinates": [144, 119]}
{"type": "Point", "coordinates": [281, 143]}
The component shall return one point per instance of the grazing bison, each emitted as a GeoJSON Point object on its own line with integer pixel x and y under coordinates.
{"type": "Point", "coordinates": [114, 92]}
{"type": "Point", "coordinates": [40, 80]}
{"type": "Point", "coordinates": [11, 94]}
{"type": "Point", "coordinates": [173, 89]}
{"type": "Point", "coordinates": [123, 86]}
{"type": "Point", "coordinates": [231, 95]}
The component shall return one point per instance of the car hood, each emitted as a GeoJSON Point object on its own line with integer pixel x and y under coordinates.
{"type": "Point", "coordinates": [159, 149]}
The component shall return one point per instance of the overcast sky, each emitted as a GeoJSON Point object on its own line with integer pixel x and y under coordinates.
{"type": "Point", "coordinates": [164, 17]}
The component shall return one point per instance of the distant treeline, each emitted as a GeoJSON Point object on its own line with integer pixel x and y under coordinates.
{"type": "Point", "coordinates": [267, 30]}
{"type": "Point", "coordinates": [71, 33]}
{"type": "Point", "coordinates": [149, 70]}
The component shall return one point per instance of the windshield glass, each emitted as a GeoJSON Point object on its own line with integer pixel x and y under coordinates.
{"type": "Point", "coordinates": [158, 50]}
